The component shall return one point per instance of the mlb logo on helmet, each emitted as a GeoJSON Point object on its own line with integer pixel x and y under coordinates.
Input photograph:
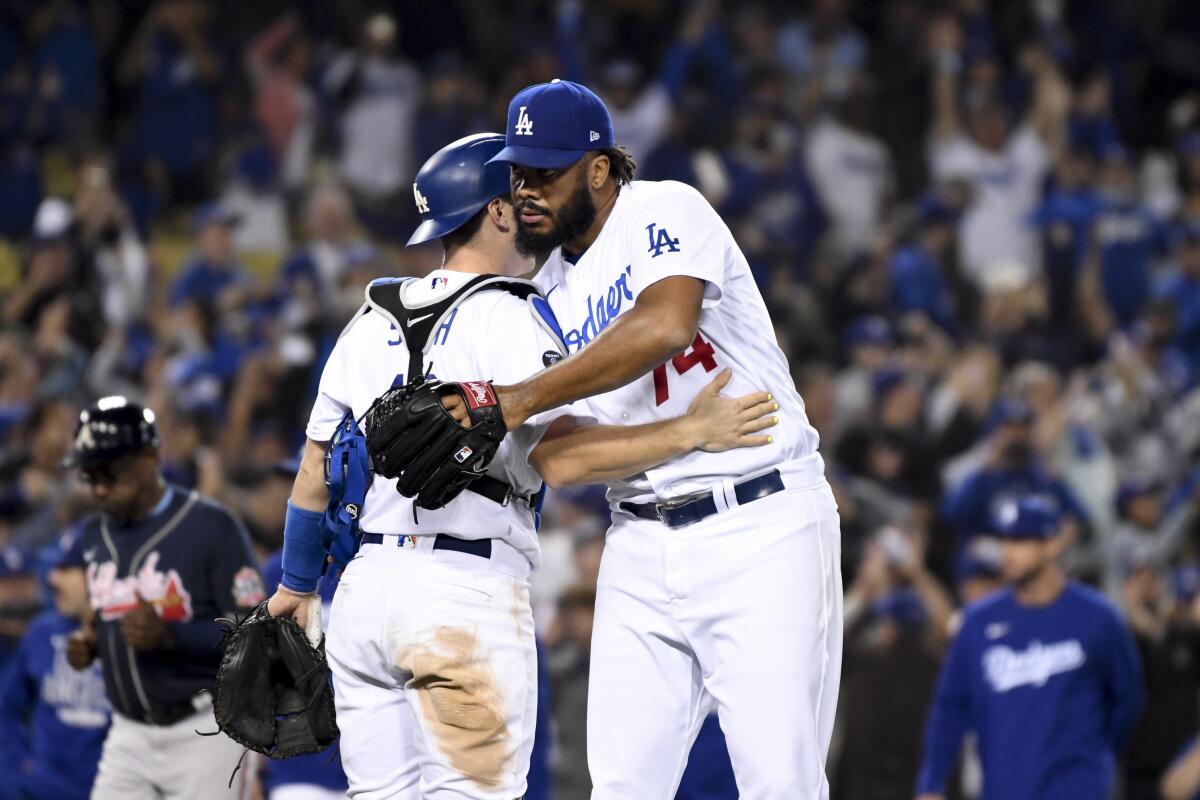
{"type": "Point", "coordinates": [571, 120]}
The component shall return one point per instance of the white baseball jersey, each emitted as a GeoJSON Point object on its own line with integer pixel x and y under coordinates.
{"type": "Point", "coordinates": [658, 229]}
{"type": "Point", "coordinates": [490, 336]}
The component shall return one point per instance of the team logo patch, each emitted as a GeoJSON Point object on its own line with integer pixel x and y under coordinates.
{"type": "Point", "coordinates": [524, 126]}
{"type": "Point", "coordinates": [422, 203]}
{"type": "Point", "coordinates": [479, 394]}
{"type": "Point", "coordinates": [248, 587]}
{"type": "Point", "coordinates": [463, 454]}
{"type": "Point", "coordinates": [551, 357]}
{"type": "Point", "coordinates": [113, 597]}
{"type": "Point", "coordinates": [659, 238]}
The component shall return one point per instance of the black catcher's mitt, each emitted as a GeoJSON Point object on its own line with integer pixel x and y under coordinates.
{"type": "Point", "coordinates": [410, 436]}
{"type": "Point", "coordinates": [273, 693]}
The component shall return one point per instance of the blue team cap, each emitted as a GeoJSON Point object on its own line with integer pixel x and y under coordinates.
{"type": "Point", "coordinates": [903, 607]}
{"type": "Point", "coordinates": [68, 549]}
{"type": "Point", "coordinates": [551, 125]}
{"type": "Point", "coordinates": [15, 562]}
{"type": "Point", "coordinates": [1185, 581]}
{"type": "Point", "coordinates": [1027, 517]}
{"type": "Point", "coordinates": [455, 183]}
{"type": "Point", "coordinates": [213, 214]}
{"type": "Point", "coordinates": [935, 208]}
{"type": "Point", "coordinates": [1009, 411]}
{"type": "Point", "coordinates": [1133, 489]}
{"type": "Point", "coordinates": [871, 329]}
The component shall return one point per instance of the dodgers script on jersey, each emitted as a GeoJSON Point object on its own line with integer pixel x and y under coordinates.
{"type": "Point", "coordinates": [491, 336]}
{"type": "Point", "coordinates": [657, 230]}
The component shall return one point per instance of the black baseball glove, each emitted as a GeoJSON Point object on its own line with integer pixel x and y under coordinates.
{"type": "Point", "coordinates": [273, 693]}
{"type": "Point", "coordinates": [410, 436]}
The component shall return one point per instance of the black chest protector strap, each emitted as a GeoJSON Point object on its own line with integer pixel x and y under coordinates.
{"type": "Point", "coordinates": [417, 325]}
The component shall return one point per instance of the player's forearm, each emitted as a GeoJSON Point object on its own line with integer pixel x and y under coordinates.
{"type": "Point", "coordinates": [309, 491]}
{"type": "Point", "coordinates": [599, 453]}
{"type": "Point", "coordinates": [661, 325]}
{"type": "Point", "coordinates": [1182, 781]}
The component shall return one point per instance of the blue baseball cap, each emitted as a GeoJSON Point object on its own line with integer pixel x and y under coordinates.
{"type": "Point", "coordinates": [872, 329]}
{"type": "Point", "coordinates": [934, 208]}
{"type": "Point", "coordinates": [1028, 517]}
{"type": "Point", "coordinates": [1133, 489]}
{"type": "Point", "coordinates": [551, 125]}
{"type": "Point", "coordinates": [213, 214]}
{"type": "Point", "coordinates": [1008, 411]}
{"type": "Point", "coordinates": [15, 562]}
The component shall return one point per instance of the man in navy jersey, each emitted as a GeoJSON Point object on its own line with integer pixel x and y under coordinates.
{"type": "Point", "coordinates": [1044, 671]}
{"type": "Point", "coordinates": [162, 564]}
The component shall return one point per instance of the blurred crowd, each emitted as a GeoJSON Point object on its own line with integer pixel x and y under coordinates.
{"type": "Point", "coordinates": [976, 224]}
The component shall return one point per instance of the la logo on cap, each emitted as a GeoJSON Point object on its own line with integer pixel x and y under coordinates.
{"type": "Point", "coordinates": [524, 126]}
{"type": "Point", "coordinates": [422, 203]}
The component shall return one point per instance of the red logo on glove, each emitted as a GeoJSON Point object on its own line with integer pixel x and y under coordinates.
{"type": "Point", "coordinates": [479, 394]}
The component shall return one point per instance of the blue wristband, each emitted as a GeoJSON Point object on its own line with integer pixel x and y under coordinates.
{"type": "Point", "coordinates": [303, 549]}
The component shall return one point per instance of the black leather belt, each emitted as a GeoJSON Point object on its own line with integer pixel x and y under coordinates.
{"type": "Point", "coordinates": [444, 541]}
{"type": "Point", "coordinates": [163, 716]}
{"type": "Point", "coordinates": [685, 511]}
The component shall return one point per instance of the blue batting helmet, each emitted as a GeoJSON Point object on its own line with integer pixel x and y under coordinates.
{"type": "Point", "coordinates": [456, 182]}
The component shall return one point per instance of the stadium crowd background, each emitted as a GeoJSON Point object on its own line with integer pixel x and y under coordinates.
{"type": "Point", "coordinates": [977, 226]}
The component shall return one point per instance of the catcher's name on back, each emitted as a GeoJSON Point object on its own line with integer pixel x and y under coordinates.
{"type": "Point", "coordinates": [490, 334]}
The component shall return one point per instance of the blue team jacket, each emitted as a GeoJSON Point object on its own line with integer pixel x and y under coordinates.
{"type": "Point", "coordinates": [1055, 690]}
{"type": "Point", "coordinates": [53, 720]}
{"type": "Point", "coordinates": [191, 558]}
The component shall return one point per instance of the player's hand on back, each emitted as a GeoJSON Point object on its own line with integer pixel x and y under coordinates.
{"type": "Point", "coordinates": [722, 423]}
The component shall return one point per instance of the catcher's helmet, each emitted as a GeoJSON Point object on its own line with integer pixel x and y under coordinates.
{"type": "Point", "coordinates": [110, 428]}
{"type": "Point", "coordinates": [456, 182]}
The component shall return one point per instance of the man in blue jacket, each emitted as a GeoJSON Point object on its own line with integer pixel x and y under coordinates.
{"type": "Point", "coordinates": [53, 720]}
{"type": "Point", "coordinates": [1045, 672]}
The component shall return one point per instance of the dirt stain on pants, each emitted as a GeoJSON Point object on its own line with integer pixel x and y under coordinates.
{"type": "Point", "coordinates": [461, 704]}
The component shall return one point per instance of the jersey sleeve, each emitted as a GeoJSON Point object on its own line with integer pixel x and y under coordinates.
{"type": "Point", "coordinates": [332, 394]}
{"type": "Point", "coordinates": [678, 233]}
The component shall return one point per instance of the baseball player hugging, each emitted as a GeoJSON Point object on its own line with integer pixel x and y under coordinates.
{"type": "Point", "coordinates": [431, 641]}
{"type": "Point", "coordinates": [720, 584]}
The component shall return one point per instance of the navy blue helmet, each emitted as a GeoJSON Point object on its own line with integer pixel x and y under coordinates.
{"type": "Point", "coordinates": [456, 182]}
{"type": "Point", "coordinates": [110, 428]}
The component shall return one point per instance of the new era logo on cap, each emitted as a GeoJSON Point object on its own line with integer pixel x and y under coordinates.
{"type": "Point", "coordinates": [571, 120]}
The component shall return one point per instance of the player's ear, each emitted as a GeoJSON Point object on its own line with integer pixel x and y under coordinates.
{"type": "Point", "coordinates": [598, 170]}
{"type": "Point", "coordinates": [500, 212]}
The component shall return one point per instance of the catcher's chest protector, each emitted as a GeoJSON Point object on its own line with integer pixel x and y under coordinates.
{"type": "Point", "coordinates": [416, 323]}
